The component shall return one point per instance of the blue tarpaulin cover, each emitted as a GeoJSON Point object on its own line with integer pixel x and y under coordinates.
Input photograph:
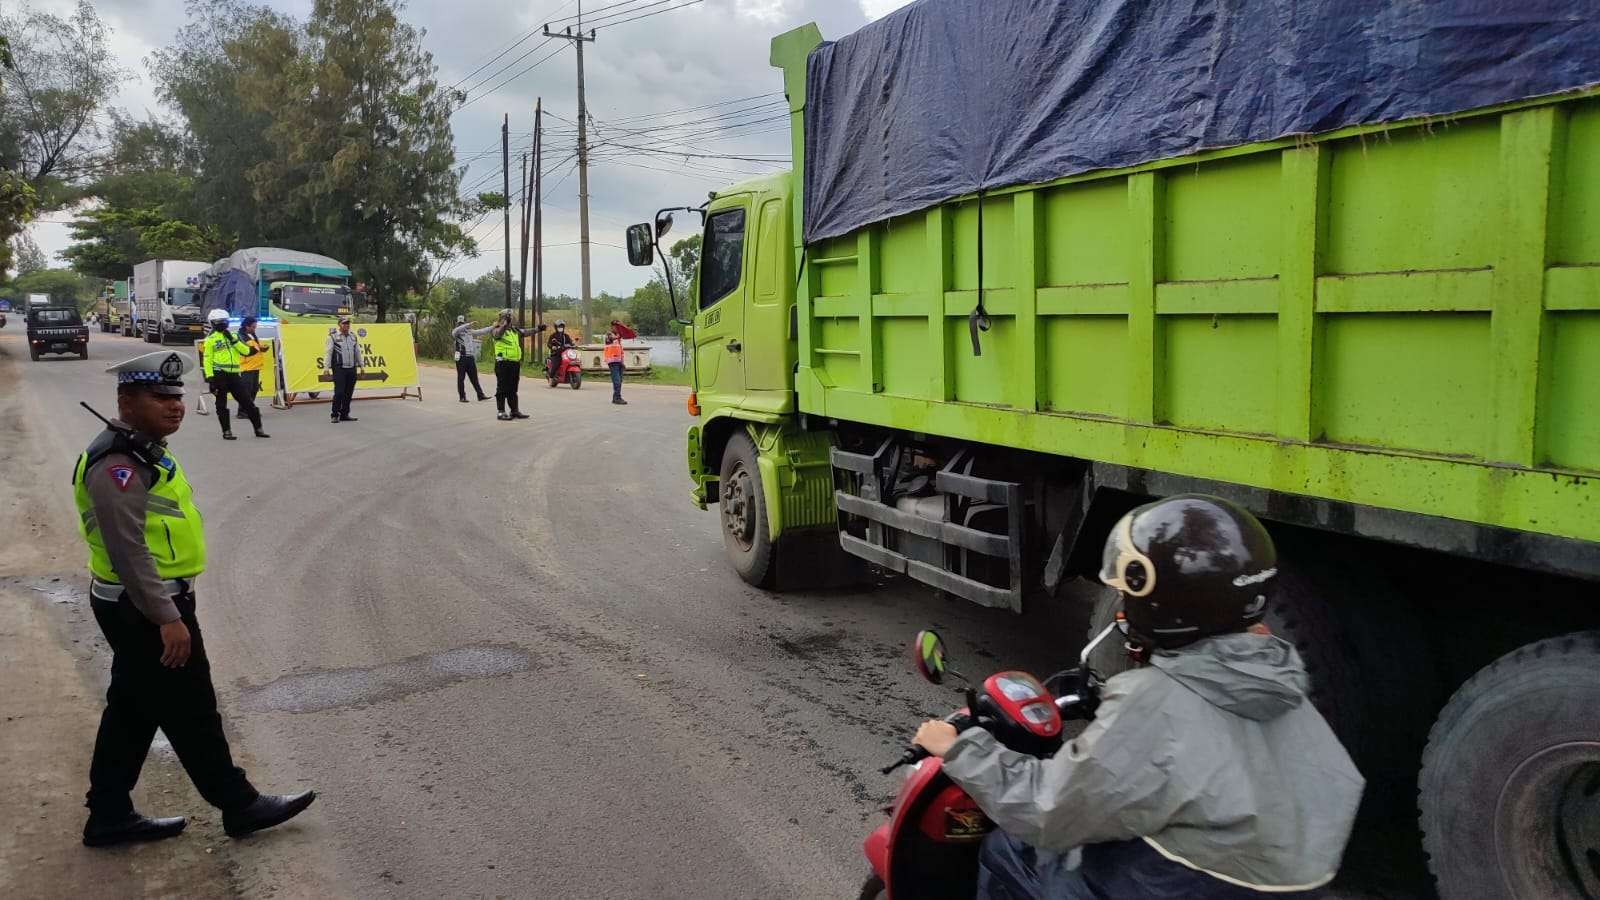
{"type": "Point", "coordinates": [949, 97]}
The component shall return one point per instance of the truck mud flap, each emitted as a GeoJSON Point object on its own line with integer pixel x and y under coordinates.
{"type": "Point", "coordinates": [940, 552]}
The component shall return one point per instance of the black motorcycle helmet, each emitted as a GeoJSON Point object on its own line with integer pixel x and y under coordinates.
{"type": "Point", "coordinates": [1189, 567]}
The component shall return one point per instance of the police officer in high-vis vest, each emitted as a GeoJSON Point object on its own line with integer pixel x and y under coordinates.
{"type": "Point", "coordinates": [507, 365]}
{"type": "Point", "coordinates": [223, 353]}
{"type": "Point", "coordinates": [146, 548]}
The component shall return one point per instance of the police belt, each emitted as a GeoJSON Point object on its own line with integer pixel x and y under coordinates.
{"type": "Point", "coordinates": [111, 591]}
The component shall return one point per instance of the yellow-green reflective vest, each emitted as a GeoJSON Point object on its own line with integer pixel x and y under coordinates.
{"type": "Point", "coordinates": [220, 355]}
{"type": "Point", "coordinates": [508, 345]}
{"type": "Point", "coordinates": [173, 531]}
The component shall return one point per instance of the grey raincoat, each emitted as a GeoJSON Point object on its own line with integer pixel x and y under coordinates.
{"type": "Point", "coordinates": [1211, 754]}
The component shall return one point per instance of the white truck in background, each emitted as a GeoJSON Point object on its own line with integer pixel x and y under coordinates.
{"type": "Point", "coordinates": [165, 296]}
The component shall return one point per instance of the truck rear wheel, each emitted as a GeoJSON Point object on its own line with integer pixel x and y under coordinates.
{"type": "Point", "coordinates": [745, 528]}
{"type": "Point", "coordinates": [1510, 787]}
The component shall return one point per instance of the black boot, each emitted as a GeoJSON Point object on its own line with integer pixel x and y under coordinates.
{"type": "Point", "coordinates": [266, 811]}
{"type": "Point", "coordinates": [102, 831]}
{"type": "Point", "coordinates": [255, 421]}
{"type": "Point", "coordinates": [516, 413]}
{"type": "Point", "coordinates": [225, 422]}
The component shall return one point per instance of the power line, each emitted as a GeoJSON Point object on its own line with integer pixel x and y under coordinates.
{"type": "Point", "coordinates": [473, 99]}
{"type": "Point", "coordinates": [675, 112]}
{"type": "Point", "coordinates": [498, 72]}
{"type": "Point", "coordinates": [592, 12]}
{"type": "Point", "coordinates": [649, 14]}
{"type": "Point", "coordinates": [509, 47]}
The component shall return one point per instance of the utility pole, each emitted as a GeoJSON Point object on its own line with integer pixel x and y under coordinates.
{"type": "Point", "coordinates": [538, 231]}
{"type": "Point", "coordinates": [522, 220]}
{"type": "Point", "coordinates": [505, 172]}
{"type": "Point", "coordinates": [578, 39]}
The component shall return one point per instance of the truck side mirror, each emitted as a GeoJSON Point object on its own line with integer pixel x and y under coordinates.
{"type": "Point", "coordinates": [641, 244]}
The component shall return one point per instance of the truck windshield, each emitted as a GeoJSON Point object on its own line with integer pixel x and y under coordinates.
{"type": "Point", "coordinates": [182, 297]}
{"type": "Point", "coordinates": [56, 317]}
{"type": "Point", "coordinates": [314, 300]}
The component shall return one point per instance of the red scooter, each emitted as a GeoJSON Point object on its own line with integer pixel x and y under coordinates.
{"type": "Point", "coordinates": [566, 369]}
{"type": "Point", "coordinates": [929, 846]}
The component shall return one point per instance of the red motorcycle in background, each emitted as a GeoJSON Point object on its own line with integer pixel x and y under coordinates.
{"type": "Point", "coordinates": [566, 368]}
{"type": "Point", "coordinates": [929, 847]}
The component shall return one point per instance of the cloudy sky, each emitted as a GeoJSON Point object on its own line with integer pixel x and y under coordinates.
{"type": "Point", "coordinates": [698, 58]}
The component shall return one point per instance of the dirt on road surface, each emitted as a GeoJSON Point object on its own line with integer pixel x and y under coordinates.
{"type": "Point", "coordinates": [509, 656]}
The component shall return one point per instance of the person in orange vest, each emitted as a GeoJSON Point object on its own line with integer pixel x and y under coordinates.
{"type": "Point", "coordinates": [613, 358]}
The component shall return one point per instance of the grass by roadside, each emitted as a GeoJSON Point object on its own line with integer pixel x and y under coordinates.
{"type": "Point", "coordinates": [657, 375]}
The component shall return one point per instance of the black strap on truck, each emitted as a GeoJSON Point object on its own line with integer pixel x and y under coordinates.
{"type": "Point", "coordinates": [978, 319]}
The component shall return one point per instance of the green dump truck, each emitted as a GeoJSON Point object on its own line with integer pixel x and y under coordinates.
{"type": "Point", "coordinates": [1384, 339]}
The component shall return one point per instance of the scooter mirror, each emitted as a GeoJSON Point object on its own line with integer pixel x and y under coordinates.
{"type": "Point", "coordinates": [927, 651]}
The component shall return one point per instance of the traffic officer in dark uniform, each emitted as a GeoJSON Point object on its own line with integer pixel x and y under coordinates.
{"type": "Point", "coordinates": [146, 546]}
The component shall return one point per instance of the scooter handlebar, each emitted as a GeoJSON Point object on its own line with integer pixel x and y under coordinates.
{"type": "Point", "coordinates": [915, 753]}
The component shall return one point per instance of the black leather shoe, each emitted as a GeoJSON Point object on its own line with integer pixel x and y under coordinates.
{"type": "Point", "coordinates": [348, 419]}
{"type": "Point", "coordinates": [519, 415]}
{"type": "Point", "coordinates": [260, 433]}
{"type": "Point", "coordinates": [228, 436]}
{"type": "Point", "coordinates": [267, 810]}
{"type": "Point", "coordinates": [463, 399]}
{"type": "Point", "coordinates": [105, 832]}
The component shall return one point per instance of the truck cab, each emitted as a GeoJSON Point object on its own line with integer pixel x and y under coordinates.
{"type": "Point", "coordinates": [744, 292]}
{"type": "Point", "coordinates": [743, 340]}
{"type": "Point", "coordinates": [308, 299]}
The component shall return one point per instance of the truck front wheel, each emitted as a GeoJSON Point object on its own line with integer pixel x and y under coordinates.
{"type": "Point", "coordinates": [1510, 786]}
{"type": "Point", "coordinates": [745, 530]}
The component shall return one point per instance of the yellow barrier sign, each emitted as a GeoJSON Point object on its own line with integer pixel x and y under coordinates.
{"type": "Point", "coordinates": [388, 358]}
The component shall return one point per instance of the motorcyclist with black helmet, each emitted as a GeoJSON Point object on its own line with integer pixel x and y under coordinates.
{"type": "Point", "coordinates": [1206, 772]}
{"type": "Point", "coordinates": [558, 341]}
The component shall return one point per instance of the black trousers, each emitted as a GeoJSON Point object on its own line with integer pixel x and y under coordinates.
{"type": "Point", "coordinates": [252, 382]}
{"type": "Point", "coordinates": [226, 383]}
{"type": "Point", "coordinates": [145, 695]}
{"type": "Point", "coordinates": [344, 387]}
{"type": "Point", "coordinates": [506, 375]}
{"type": "Point", "coordinates": [467, 370]}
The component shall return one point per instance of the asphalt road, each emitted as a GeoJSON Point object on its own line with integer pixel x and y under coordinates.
{"type": "Point", "coordinates": [508, 656]}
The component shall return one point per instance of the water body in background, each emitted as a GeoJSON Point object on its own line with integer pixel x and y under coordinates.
{"type": "Point", "coordinates": [664, 351]}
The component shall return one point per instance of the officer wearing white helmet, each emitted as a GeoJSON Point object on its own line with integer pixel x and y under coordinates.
{"type": "Point", "coordinates": [507, 340]}
{"type": "Point", "coordinates": [221, 352]}
{"type": "Point", "coordinates": [136, 513]}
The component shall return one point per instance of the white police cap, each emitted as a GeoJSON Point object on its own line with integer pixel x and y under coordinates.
{"type": "Point", "coordinates": [161, 371]}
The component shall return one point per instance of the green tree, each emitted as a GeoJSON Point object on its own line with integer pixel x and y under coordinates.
{"type": "Point", "coordinates": [227, 73]}
{"type": "Point", "coordinates": [368, 155]}
{"type": "Point", "coordinates": [449, 298]}
{"type": "Point", "coordinates": [29, 258]}
{"type": "Point", "coordinates": [17, 197]}
{"type": "Point", "coordinates": [651, 308]}
{"type": "Point", "coordinates": [63, 286]}
{"type": "Point", "coordinates": [489, 290]}
{"type": "Point", "coordinates": [60, 77]}
{"type": "Point", "coordinates": [686, 267]}
{"type": "Point", "coordinates": [140, 202]}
